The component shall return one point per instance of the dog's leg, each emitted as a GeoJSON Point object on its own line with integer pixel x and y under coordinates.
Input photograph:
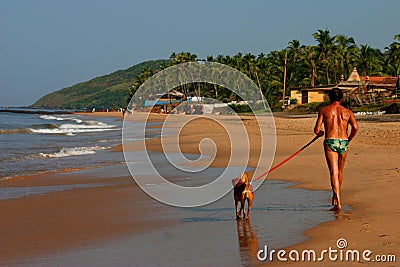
{"type": "Point", "coordinates": [243, 208]}
{"type": "Point", "coordinates": [249, 206]}
{"type": "Point", "coordinates": [237, 209]}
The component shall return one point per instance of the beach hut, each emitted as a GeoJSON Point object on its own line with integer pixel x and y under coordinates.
{"type": "Point", "coordinates": [359, 89]}
{"type": "Point", "coordinates": [165, 103]}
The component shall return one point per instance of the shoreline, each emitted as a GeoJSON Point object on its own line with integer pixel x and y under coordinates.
{"type": "Point", "coordinates": [303, 170]}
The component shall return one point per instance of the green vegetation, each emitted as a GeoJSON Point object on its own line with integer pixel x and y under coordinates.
{"type": "Point", "coordinates": [314, 107]}
{"type": "Point", "coordinates": [377, 107]}
{"type": "Point", "coordinates": [306, 65]}
{"type": "Point", "coordinates": [309, 107]}
{"type": "Point", "coordinates": [240, 108]}
{"type": "Point", "coordinates": [108, 91]}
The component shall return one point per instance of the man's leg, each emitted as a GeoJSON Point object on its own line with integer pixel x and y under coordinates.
{"type": "Point", "coordinates": [342, 160]}
{"type": "Point", "coordinates": [332, 159]}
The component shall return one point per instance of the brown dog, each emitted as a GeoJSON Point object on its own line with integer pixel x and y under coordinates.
{"type": "Point", "coordinates": [243, 191]}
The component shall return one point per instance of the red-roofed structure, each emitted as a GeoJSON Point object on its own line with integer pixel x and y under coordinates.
{"type": "Point", "coordinates": [379, 79]}
{"type": "Point", "coordinates": [357, 89]}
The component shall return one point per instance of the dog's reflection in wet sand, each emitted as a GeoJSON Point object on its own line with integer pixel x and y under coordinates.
{"type": "Point", "coordinates": [248, 242]}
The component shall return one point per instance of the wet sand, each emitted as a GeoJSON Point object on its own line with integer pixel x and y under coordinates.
{"type": "Point", "coordinates": [370, 187]}
{"type": "Point", "coordinates": [59, 221]}
{"type": "Point", "coordinates": [64, 221]}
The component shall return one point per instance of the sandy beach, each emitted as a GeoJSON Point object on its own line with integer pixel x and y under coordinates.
{"type": "Point", "coordinates": [371, 184]}
{"type": "Point", "coordinates": [115, 207]}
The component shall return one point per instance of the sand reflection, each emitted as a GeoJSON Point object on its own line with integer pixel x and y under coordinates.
{"type": "Point", "coordinates": [248, 243]}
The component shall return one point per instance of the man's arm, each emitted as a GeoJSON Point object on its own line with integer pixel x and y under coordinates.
{"type": "Point", "coordinates": [354, 126]}
{"type": "Point", "coordinates": [318, 124]}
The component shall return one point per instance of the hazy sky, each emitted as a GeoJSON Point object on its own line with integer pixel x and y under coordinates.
{"type": "Point", "coordinates": [46, 45]}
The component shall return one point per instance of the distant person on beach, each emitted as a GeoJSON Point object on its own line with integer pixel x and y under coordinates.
{"type": "Point", "coordinates": [336, 120]}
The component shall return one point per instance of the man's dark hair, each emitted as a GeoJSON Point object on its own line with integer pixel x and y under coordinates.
{"type": "Point", "coordinates": [335, 94]}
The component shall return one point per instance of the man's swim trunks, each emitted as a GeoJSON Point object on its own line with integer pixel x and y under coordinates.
{"type": "Point", "coordinates": [337, 145]}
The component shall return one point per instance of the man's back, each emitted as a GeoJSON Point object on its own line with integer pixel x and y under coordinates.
{"type": "Point", "coordinates": [336, 119]}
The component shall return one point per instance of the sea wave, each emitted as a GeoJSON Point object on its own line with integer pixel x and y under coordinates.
{"type": "Point", "coordinates": [30, 129]}
{"type": "Point", "coordinates": [59, 118]}
{"type": "Point", "coordinates": [73, 129]}
{"type": "Point", "coordinates": [97, 125]}
{"type": "Point", "coordinates": [74, 151]}
{"type": "Point", "coordinates": [70, 131]}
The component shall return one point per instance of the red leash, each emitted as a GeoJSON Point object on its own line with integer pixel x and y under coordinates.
{"type": "Point", "coordinates": [286, 160]}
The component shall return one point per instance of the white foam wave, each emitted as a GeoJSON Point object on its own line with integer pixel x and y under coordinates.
{"type": "Point", "coordinates": [69, 131]}
{"type": "Point", "coordinates": [86, 126]}
{"type": "Point", "coordinates": [74, 151]}
{"type": "Point", "coordinates": [51, 117]}
{"type": "Point", "coordinates": [73, 129]}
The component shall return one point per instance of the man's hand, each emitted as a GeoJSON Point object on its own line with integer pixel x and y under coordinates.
{"type": "Point", "coordinates": [321, 133]}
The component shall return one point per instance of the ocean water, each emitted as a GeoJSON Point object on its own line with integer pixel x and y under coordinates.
{"type": "Point", "coordinates": [36, 143]}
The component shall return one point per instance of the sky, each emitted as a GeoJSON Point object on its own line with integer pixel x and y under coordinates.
{"type": "Point", "coordinates": [47, 45]}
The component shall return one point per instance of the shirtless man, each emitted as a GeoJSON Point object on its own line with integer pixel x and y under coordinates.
{"type": "Point", "coordinates": [336, 120]}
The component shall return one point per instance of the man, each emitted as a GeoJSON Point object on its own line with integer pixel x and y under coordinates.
{"type": "Point", "coordinates": [336, 120]}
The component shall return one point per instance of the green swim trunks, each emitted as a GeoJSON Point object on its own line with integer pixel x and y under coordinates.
{"type": "Point", "coordinates": [337, 145]}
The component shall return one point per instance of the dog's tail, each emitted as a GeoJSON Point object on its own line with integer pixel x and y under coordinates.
{"type": "Point", "coordinates": [245, 178]}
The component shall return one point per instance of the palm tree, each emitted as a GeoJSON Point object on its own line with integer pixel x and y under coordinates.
{"type": "Point", "coordinates": [392, 57]}
{"type": "Point", "coordinates": [182, 57]}
{"type": "Point", "coordinates": [249, 65]}
{"type": "Point", "coordinates": [236, 61]}
{"type": "Point", "coordinates": [369, 60]}
{"type": "Point", "coordinates": [325, 49]}
{"type": "Point", "coordinates": [310, 62]}
{"type": "Point", "coordinates": [294, 49]}
{"type": "Point", "coordinates": [262, 72]}
{"type": "Point", "coordinates": [345, 51]}
{"type": "Point", "coordinates": [294, 64]}
{"type": "Point", "coordinates": [334, 62]}
{"type": "Point", "coordinates": [275, 80]}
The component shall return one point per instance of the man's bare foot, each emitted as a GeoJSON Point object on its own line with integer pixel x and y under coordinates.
{"type": "Point", "coordinates": [334, 200]}
{"type": "Point", "coordinates": [336, 208]}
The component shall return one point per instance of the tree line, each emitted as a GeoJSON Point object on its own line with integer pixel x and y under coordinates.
{"type": "Point", "coordinates": [306, 65]}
